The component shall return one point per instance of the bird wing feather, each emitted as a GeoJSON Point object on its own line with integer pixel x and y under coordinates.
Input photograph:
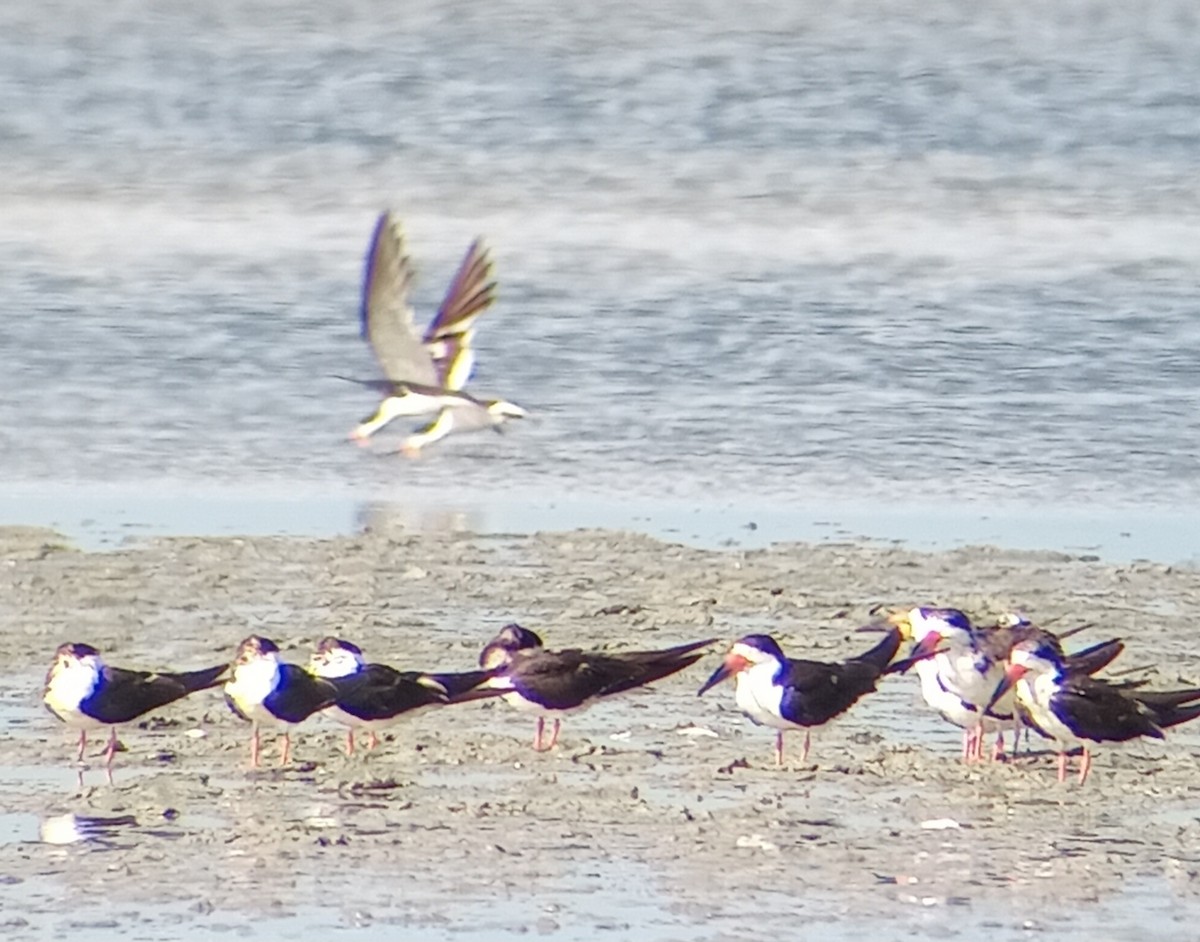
{"type": "Point", "coordinates": [387, 316]}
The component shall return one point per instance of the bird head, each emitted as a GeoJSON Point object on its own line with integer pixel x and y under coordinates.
{"type": "Point", "coordinates": [745, 653]}
{"type": "Point", "coordinates": [335, 658]}
{"type": "Point", "coordinates": [509, 640]}
{"type": "Point", "coordinates": [927, 628]}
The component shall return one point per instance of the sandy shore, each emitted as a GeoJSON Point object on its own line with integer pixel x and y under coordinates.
{"type": "Point", "coordinates": [659, 814]}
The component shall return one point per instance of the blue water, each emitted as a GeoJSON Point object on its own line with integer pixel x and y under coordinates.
{"type": "Point", "coordinates": [843, 256]}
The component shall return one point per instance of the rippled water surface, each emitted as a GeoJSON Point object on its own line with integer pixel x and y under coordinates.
{"type": "Point", "coordinates": [778, 251]}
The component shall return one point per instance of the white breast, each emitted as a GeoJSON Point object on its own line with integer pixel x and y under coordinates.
{"type": "Point", "coordinates": [1035, 694]}
{"type": "Point", "coordinates": [251, 684]}
{"type": "Point", "coordinates": [758, 696]}
{"type": "Point", "coordinates": [67, 689]}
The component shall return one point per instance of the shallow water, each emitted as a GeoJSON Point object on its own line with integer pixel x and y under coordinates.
{"type": "Point", "coordinates": [785, 253]}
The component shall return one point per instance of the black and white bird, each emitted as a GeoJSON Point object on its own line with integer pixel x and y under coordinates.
{"type": "Point", "coordinates": [1075, 709]}
{"type": "Point", "coordinates": [788, 693]}
{"type": "Point", "coordinates": [425, 372]}
{"type": "Point", "coordinates": [385, 695]}
{"type": "Point", "coordinates": [554, 683]}
{"type": "Point", "coordinates": [959, 666]}
{"type": "Point", "coordinates": [262, 688]}
{"type": "Point", "coordinates": [86, 694]}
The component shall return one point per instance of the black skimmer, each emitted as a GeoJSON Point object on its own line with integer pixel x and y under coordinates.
{"type": "Point", "coordinates": [85, 693]}
{"type": "Point", "coordinates": [263, 689]}
{"type": "Point", "coordinates": [385, 695]}
{"type": "Point", "coordinates": [552, 683]}
{"type": "Point", "coordinates": [425, 373]}
{"type": "Point", "coordinates": [1075, 709]}
{"type": "Point", "coordinates": [959, 666]}
{"type": "Point", "coordinates": [786, 693]}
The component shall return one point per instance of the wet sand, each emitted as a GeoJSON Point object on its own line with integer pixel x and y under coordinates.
{"type": "Point", "coordinates": [659, 815]}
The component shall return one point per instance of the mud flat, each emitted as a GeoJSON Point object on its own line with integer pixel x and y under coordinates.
{"type": "Point", "coordinates": [659, 815]}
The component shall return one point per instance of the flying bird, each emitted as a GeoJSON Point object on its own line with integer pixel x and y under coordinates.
{"type": "Point", "coordinates": [425, 372]}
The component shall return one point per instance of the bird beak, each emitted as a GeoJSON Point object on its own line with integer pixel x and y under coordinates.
{"type": "Point", "coordinates": [1014, 673]}
{"type": "Point", "coordinates": [898, 618]}
{"type": "Point", "coordinates": [733, 664]}
{"type": "Point", "coordinates": [927, 647]}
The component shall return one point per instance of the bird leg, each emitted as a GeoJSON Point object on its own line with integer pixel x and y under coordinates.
{"type": "Point", "coordinates": [966, 749]}
{"type": "Point", "coordinates": [998, 747]}
{"type": "Point", "coordinates": [285, 756]}
{"type": "Point", "coordinates": [82, 743]}
{"type": "Point", "coordinates": [537, 736]}
{"type": "Point", "coordinates": [778, 748]}
{"type": "Point", "coordinates": [111, 749]}
{"type": "Point", "coordinates": [373, 740]}
{"type": "Point", "coordinates": [255, 747]}
{"type": "Point", "coordinates": [1062, 766]}
{"type": "Point", "coordinates": [554, 735]}
{"type": "Point", "coordinates": [807, 746]}
{"type": "Point", "coordinates": [350, 741]}
{"type": "Point", "coordinates": [1085, 765]}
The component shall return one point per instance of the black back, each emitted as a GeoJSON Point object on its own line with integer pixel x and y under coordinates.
{"type": "Point", "coordinates": [382, 692]}
{"type": "Point", "coordinates": [815, 691]}
{"type": "Point", "coordinates": [563, 680]}
{"type": "Point", "coordinates": [124, 695]}
{"type": "Point", "coordinates": [299, 694]}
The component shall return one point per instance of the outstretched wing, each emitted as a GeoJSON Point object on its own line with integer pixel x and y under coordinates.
{"type": "Point", "coordinates": [471, 292]}
{"type": "Point", "coordinates": [455, 359]}
{"type": "Point", "coordinates": [387, 316]}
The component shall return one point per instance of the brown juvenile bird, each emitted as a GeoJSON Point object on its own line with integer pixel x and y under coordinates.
{"type": "Point", "coordinates": [552, 683]}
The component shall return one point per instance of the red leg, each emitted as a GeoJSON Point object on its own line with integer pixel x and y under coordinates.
{"type": "Point", "coordinates": [554, 735]}
{"type": "Point", "coordinates": [1062, 766]}
{"type": "Point", "coordinates": [82, 743]}
{"type": "Point", "coordinates": [807, 746]}
{"type": "Point", "coordinates": [966, 749]}
{"type": "Point", "coordinates": [285, 756]}
{"type": "Point", "coordinates": [998, 747]}
{"type": "Point", "coordinates": [537, 736]}
{"type": "Point", "coordinates": [255, 747]}
{"type": "Point", "coordinates": [779, 748]}
{"type": "Point", "coordinates": [111, 749]}
{"type": "Point", "coordinates": [350, 741]}
{"type": "Point", "coordinates": [1085, 766]}
{"type": "Point", "coordinates": [373, 740]}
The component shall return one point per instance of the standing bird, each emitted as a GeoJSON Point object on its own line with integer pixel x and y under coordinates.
{"type": "Point", "coordinates": [552, 683]}
{"type": "Point", "coordinates": [1075, 709]}
{"type": "Point", "coordinates": [959, 667]}
{"type": "Point", "coordinates": [384, 695]}
{"type": "Point", "coordinates": [425, 373]}
{"type": "Point", "coordinates": [784, 693]}
{"type": "Point", "coordinates": [85, 693]}
{"type": "Point", "coordinates": [263, 689]}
